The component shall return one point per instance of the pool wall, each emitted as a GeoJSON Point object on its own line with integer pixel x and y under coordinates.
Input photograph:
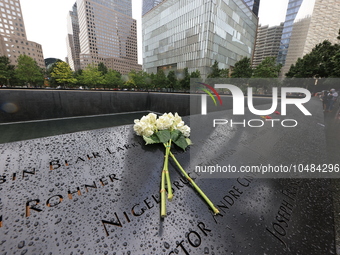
{"type": "Point", "coordinates": [23, 105]}
{"type": "Point", "coordinates": [38, 104]}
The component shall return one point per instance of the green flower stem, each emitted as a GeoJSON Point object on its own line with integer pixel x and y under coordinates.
{"type": "Point", "coordinates": [167, 175]}
{"type": "Point", "coordinates": [207, 200]}
{"type": "Point", "coordinates": [163, 199]}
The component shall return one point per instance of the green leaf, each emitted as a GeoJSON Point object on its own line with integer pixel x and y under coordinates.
{"type": "Point", "coordinates": [163, 135]}
{"type": "Point", "coordinates": [151, 140]}
{"type": "Point", "coordinates": [182, 142]}
{"type": "Point", "coordinates": [189, 142]}
{"type": "Point", "coordinates": [175, 134]}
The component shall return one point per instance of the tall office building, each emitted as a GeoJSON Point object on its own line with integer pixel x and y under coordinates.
{"type": "Point", "coordinates": [292, 10]}
{"type": "Point", "coordinates": [107, 34]}
{"type": "Point", "coordinates": [72, 39]}
{"type": "Point", "coordinates": [316, 21]}
{"type": "Point", "coordinates": [267, 43]}
{"type": "Point", "coordinates": [254, 5]}
{"type": "Point", "coordinates": [13, 38]}
{"type": "Point", "coordinates": [193, 34]}
{"type": "Point", "coordinates": [149, 4]}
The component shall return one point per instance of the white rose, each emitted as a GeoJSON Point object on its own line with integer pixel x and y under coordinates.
{"type": "Point", "coordinates": [151, 118]}
{"type": "Point", "coordinates": [146, 125]}
{"type": "Point", "coordinates": [138, 127]}
{"type": "Point", "coordinates": [185, 130]}
{"type": "Point", "coordinates": [164, 122]}
{"type": "Point", "coordinates": [177, 121]}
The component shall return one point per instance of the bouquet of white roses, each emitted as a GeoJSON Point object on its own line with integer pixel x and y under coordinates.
{"type": "Point", "coordinates": [168, 129]}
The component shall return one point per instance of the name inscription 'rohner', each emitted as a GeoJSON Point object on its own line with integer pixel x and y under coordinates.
{"type": "Point", "coordinates": [53, 201]}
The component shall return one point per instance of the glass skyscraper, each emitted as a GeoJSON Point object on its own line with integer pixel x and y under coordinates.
{"type": "Point", "coordinates": [149, 4]}
{"type": "Point", "coordinates": [193, 34]}
{"type": "Point", "coordinates": [292, 11]}
{"type": "Point", "coordinates": [73, 45]}
{"type": "Point", "coordinates": [107, 34]}
{"type": "Point", "coordinates": [254, 5]}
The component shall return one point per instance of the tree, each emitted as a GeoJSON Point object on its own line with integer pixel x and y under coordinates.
{"type": "Point", "coordinates": [6, 70]}
{"type": "Point", "coordinates": [113, 79]}
{"type": "Point", "coordinates": [185, 82]}
{"type": "Point", "coordinates": [321, 62]}
{"type": "Point", "coordinates": [224, 73]}
{"type": "Point", "coordinates": [51, 80]}
{"type": "Point", "coordinates": [28, 70]}
{"type": "Point", "coordinates": [152, 82]}
{"type": "Point", "coordinates": [78, 76]}
{"type": "Point", "coordinates": [92, 77]}
{"type": "Point", "coordinates": [63, 74]}
{"type": "Point", "coordinates": [102, 68]}
{"type": "Point", "coordinates": [195, 74]}
{"type": "Point", "coordinates": [172, 80]}
{"type": "Point", "coordinates": [268, 68]}
{"type": "Point", "coordinates": [215, 71]}
{"type": "Point", "coordinates": [138, 79]}
{"type": "Point", "coordinates": [336, 62]}
{"type": "Point", "coordinates": [160, 79]}
{"type": "Point", "coordinates": [242, 69]}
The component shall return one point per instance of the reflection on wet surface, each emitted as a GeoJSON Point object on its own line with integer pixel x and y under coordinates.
{"type": "Point", "coordinates": [12, 132]}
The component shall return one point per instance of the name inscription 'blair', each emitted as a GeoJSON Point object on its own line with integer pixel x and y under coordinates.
{"type": "Point", "coordinates": [55, 200]}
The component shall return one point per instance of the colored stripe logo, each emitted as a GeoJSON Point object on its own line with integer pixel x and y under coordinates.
{"type": "Point", "coordinates": [210, 94]}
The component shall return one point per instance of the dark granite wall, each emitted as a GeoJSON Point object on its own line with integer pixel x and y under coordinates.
{"type": "Point", "coordinates": [23, 105]}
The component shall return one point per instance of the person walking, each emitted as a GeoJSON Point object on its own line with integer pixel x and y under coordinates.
{"type": "Point", "coordinates": [332, 97]}
{"type": "Point", "coordinates": [324, 99]}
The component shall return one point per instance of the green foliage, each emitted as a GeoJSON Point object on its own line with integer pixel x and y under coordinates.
{"type": "Point", "coordinates": [224, 73]}
{"type": "Point", "coordinates": [139, 80]}
{"type": "Point", "coordinates": [242, 69]}
{"type": "Point", "coordinates": [62, 73]}
{"type": "Point", "coordinates": [51, 80]}
{"type": "Point", "coordinates": [6, 70]}
{"type": "Point", "coordinates": [323, 61]}
{"type": "Point", "coordinates": [77, 75]}
{"type": "Point", "coordinates": [268, 68]}
{"type": "Point", "coordinates": [179, 139]}
{"type": "Point", "coordinates": [195, 74]}
{"type": "Point", "coordinates": [164, 136]}
{"type": "Point", "coordinates": [335, 72]}
{"type": "Point", "coordinates": [185, 82]}
{"type": "Point", "coordinates": [91, 76]}
{"type": "Point", "coordinates": [215, 71]}
{"type": "Point", "coordinates": [152, 85]}
{"type": "Point", "coordinates": [160, 79]}
{"type": "Point", "coordinates": [172, 80]}
{"type": "Point", "coordinates": [102, 68]}
{"type": "Point", "coordinates": [113, 79]}
{"type": "Point", "coordinates": [28, 70]}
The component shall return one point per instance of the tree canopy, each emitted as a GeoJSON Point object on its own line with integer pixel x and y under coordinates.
{"type": "Point", "coordinates": [63, 73]}
{"type": "Point", "coordinates": [242, 69]}
{"type": "Point", "coordinates": [268, 68]}
{"type": "Point", "coordinates": [215, 71]}
{"type": "Point", "coordinates": [6, 70]}
{"type": "Point", "coordinates": [91, 76]}
{"type": "Point", "coordinates": [28, 70]}
{"type": "Point", "coordinates": [322, 62]}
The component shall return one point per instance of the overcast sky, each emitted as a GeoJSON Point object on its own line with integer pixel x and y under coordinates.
{"type": "Point", "coordinates": [46, 23]}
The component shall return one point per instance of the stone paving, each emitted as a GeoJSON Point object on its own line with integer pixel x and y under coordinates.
{"type": "Point", "coordinates": [15, 132]}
